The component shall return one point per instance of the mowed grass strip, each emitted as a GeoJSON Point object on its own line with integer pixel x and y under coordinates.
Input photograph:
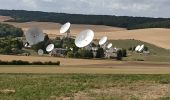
{"type": "Point", "coordinates": [84, 87]}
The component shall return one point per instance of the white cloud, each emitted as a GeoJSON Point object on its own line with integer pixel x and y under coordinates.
{"type": "Point", "coordinates": [29, 3]}
{"type": "Point", "coordinates": [152, 8]}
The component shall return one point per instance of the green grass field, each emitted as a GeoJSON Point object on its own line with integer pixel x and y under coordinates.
{"type": "Point", "coordinates": [84, 87]}
{"type": "Point", "coordinates": [157, 54]}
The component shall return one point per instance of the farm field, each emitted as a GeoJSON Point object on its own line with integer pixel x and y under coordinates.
{"type": "Point", "coordinates": [84, 87]}
{"type": "Point", "coordinates": [157, 36]}
{"type": "Point", "coordinates": [85, 66]}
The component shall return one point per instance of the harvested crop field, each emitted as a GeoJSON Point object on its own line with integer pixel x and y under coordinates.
{"type": "Point", "coordinates": [157, 36]}
{"type": "Point", "coordinates": [4, 18]}
{"type": "Point", "coordinates": [85, 66]}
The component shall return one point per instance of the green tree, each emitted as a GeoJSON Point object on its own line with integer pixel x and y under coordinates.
{"type": "Point", "coordinates": [85, 53]}
{"type": "Point", "coordinates": [124, 52]}
{"type": "Point", "coordinates": [119, 55]}
{"type": "Point", "coordinates": [100, 53]}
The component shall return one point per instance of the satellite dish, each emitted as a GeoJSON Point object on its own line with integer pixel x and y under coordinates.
{"type": "Point", "coordinates": [26, 44]}
{"type": "Point", "coordinates": [84, 38]}
{"type": "Point", "coordinates": [40, 52]}
{"type": "Point", "coordinates": [109, 45]}
{"type": "Point", "coordinates": [50, 47]}
{"type": "Point", "coordinates": [71, 49]}
{"type": "Point", "coordinates": [141, 48]}
{"type": "Point", "coordinates": [137, 48]}
{"type": "Point", "coordinates": [34, 36]}
{"type": "Point", "coordinates": [103, 40]}
{"type": "Point", "coordinates": [65, 28]}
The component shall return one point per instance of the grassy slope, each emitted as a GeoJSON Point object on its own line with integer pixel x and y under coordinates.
{"type": "Point", "coordinates": [157, 53]}
{"type": "Point", "coordinates": [46, 87]}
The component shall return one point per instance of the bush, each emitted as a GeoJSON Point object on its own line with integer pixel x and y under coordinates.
{"type": "Point", "coordinates": [77, 55]}
{"type": "Point", "coordinates": [100, 53]}
{"type": "Point", "coordinates": [20, 62]}
{"type": "Point", "coordinates": [85, 53]}
{"type": "Point", "coordinates": [124, 53]}
{"type": "Point", "coordinates": [37, 63]}
{"type": "Point", "coordinates": [9, 45]}
{"type": "Point", "coordinates": [146, 48]}
{"type": "Point", "coordinates": [70, 54]}
{"type": "Point", "coordinates": [119, 55]}
{"type": "Point", "coordinates": [9, 30]}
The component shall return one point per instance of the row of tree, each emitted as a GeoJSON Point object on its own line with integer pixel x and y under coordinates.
{"type": "Point", "coordinates": [9, 30]}
{"type": "Point", "coordinates": [9, 45]}
{"type": "Point", "coordinates": [116, 21]}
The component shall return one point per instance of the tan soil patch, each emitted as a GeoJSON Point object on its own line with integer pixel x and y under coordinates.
{"type": "Point", "coordinates": [4, 18]}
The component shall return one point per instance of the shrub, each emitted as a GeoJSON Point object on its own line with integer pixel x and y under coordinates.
{"type": "Point", "coordinates": [85, 53]}
{"type": "Point", "coordinates": [124, 53]}
{"type": "Point", "coordinates": [70, 54]}
{"type": "Point", "coordinates": [100, 53]}
{"type": "Point", "coordinates": [20, 62]}
{"type": "Point", "coordinates": [119, 55]}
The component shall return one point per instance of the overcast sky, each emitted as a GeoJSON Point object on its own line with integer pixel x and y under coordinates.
{"type": "Point", "coordinates": [149, 8]}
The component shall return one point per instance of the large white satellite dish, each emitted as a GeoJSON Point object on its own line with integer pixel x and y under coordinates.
{"type": "Point", "coordinates": [50, 47]}
{"type": "Point", "coordinates": [34, 36]}
{"type": "Point", "coordinates": [103, 40]}
{"type": "Point", "coordinates": [84, 38]}
{"type": "Point", "coordinates": [141, 48]}
{"type": "Point", "coordinates": [109, 45]}
{"type": "Point", "coordinates": [137, 48]}
{"type": "Point", "coordinates": [40, 52]}
{"type": "Point", "coordinates": [65, 28]}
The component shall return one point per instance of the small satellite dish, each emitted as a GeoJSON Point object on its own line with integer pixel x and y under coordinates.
{"type": "Point", "coordinates": [84, 38]}
{"type": "Point", "coordinates": [103, 40]}
{"type": "Point", "coordinates": [109, 45]}
{"type": "Point", "coordinates": [40, 52]}
{"type": "Point", "coordinates": [137, 48]}
{"type": "Point", "coordinates": [50, 47]}
{"type": "Point", "coordinates": [26, 44]}
{"type": "Point", "coordinates": [71, 49]}
{"type": "Point", "coordinates": [34, 36]}
{"type": "Point", "coordinates": [65, 28]}
{"type": "Point", "coordinates": [141, 48]}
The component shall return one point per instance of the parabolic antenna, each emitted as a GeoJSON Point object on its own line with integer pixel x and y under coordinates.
{"type": "Point", "coordinates": [50, 47]}
{"type": "Point", "coordinates": [65, 28]}
{"type": "Point", "coordinates": [84, 38]}
{"type": "Point", "coordinates": [109, 45]}
{"type": "Point", "coordinates": [40, 52]}
{"type": "Point", "coordinates": [34, 36]}
{"type": "Point", "coordinates": [103, 40]}
{"type": "Point", "coordinates": [141, 48]}
{"type": "Point", "coordinates": [137, 48]}
{"type": "Point", "coordinates": [26, 44]}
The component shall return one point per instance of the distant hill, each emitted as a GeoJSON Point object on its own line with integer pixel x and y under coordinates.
{"type": "Point", "coordinates": [116, 21]}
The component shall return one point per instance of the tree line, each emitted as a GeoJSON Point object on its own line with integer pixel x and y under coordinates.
{"type": "Point", "coordinates": [116, 21]}
{"type": "Point", "coordinates": [9, 30]}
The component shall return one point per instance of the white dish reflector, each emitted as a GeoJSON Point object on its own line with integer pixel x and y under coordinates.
{"type": "Point", "coordinates": [141, 48]}
{"type": "Point", "coordinates": [50, 47]}
{"type": "Point", "coordinates": [109, 45]}
{"type": "Point", "coordinates": [137, 48]}
{"type": "Point", "coordinates": [34, 36]}
{"type": "Point", "coordinates": [84, 38]}
{"type": "Point", "coordinates": [65, 28]}
{"type": "Point", "coordinates": [103, 40]}
{"type": "Point", "coordinates": [40, 52]}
